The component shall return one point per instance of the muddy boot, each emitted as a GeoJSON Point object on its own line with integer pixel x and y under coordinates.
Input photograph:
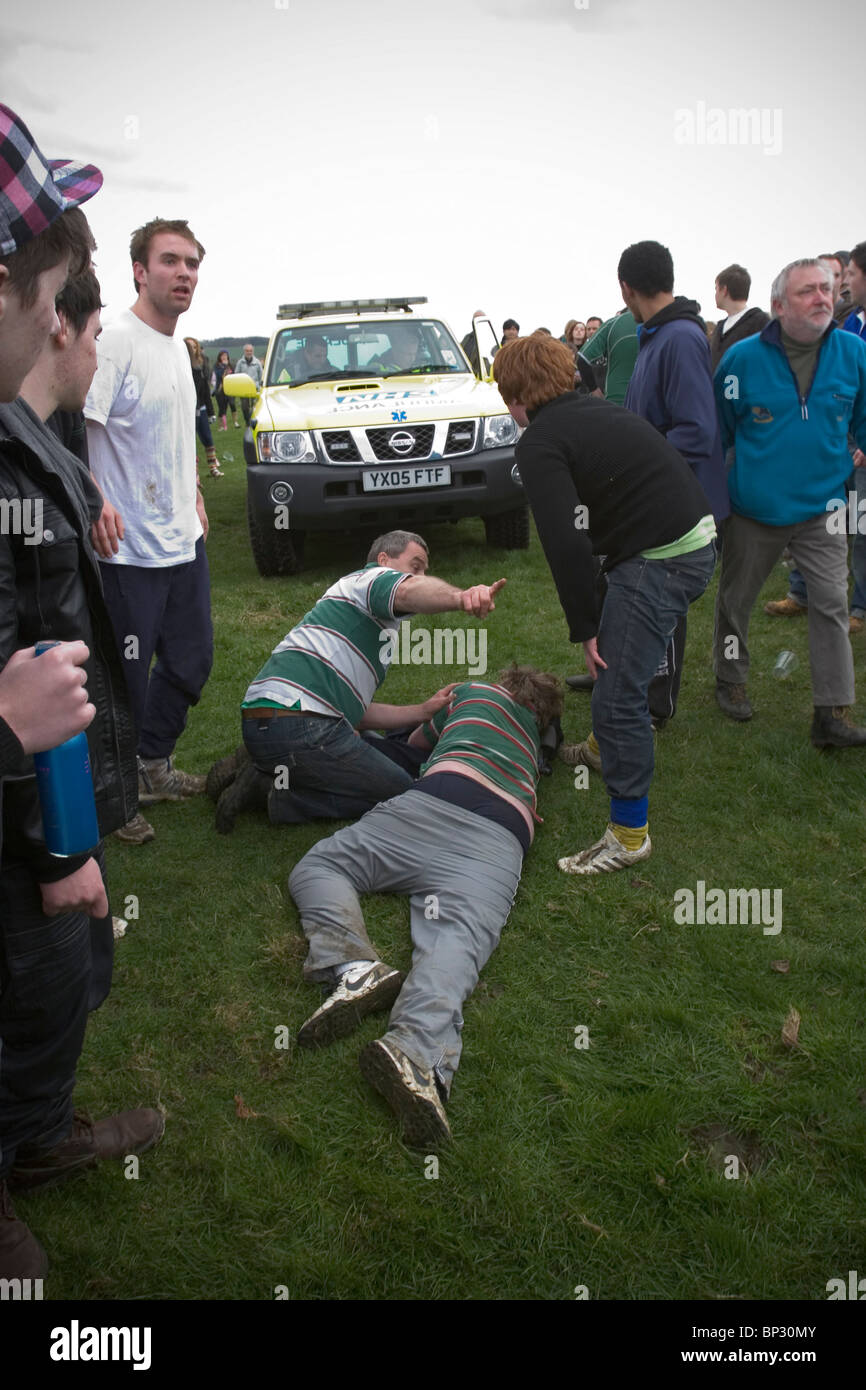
{"type": "Point", "coordinates": [248, 792]}
{"type": "Point", "coordinates": [833, 727]}
{"type": "Point", "coordinates": [21, 1255]}
{"type": "Point", "coordinates": [223, 773]}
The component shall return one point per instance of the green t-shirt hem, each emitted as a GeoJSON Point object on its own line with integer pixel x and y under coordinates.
{"type": "Point", "coordinates": [695, 539]}
{"type": "Point", "coordinates": [268, 704]}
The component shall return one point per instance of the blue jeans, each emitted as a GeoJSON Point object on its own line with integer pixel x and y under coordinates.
{"type": "Point", "coordinates": [644, 601]}
{"type": "Point", "coordinates": [332, 773]}
{"type": "Point", "coordinates": [796, 582]}
{"type": "Point", "coordinates": [202, 427]}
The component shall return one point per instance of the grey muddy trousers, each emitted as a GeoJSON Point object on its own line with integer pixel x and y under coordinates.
{"type": "Point", "coordinates": [461, 872]}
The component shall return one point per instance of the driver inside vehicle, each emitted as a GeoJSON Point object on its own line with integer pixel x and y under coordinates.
{"type": "Point", "coordinates": [314, 358]}
{"type": "Point", "coordinates": [308, 362]}
{"type": "Point", "coordinates": [405, 352]}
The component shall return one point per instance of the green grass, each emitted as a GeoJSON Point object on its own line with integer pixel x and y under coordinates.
{"type": "Point", "coordinates": [601, 1166]}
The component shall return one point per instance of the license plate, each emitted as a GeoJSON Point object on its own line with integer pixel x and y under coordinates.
{"type": "Point", "coordinates": [395, 479]}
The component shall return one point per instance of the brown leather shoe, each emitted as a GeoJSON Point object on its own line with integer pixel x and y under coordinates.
{"type": "Point", "coordinates": [131, 1132]}
{"type": "Point", "coordinates": [21, 1255]}
{"type": "Point", "coordinates": [855, 625]}
{"type": "Point", "coordinates": [785, 608]}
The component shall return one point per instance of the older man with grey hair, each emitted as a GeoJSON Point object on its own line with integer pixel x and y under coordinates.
{"type": "Point", "coordinates": [787, 399]}
{"type": "Point", "coordinates": [250, 365]}
{"type": "Point", "coordinates": [305, 713]}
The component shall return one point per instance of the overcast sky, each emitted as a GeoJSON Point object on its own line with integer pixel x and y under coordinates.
{"type": "Point", "coordinates": [494, 154]}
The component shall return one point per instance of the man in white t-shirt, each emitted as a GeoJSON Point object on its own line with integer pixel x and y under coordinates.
{"type": "Point", "coordinates": [150, 537]}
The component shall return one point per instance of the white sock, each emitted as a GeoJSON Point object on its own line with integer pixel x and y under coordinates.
{"type": "Point", "coordinates": [340, 970]}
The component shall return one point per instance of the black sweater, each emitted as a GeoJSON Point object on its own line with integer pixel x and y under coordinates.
{"type": "Point", "coordinates": [637, 489]}
{"type": "Point", "coordinates": [202, 390]}
{"type": "Point", "coordinates": [753, 321]}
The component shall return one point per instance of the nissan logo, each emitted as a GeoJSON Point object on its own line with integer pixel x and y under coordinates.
{"type": "Point", "coordinates": [402, 442]}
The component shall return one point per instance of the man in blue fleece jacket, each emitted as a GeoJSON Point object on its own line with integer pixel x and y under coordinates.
{"type": "Point", "coordinates": [787, 399]}
{"type": "Point", "coordinates": [853, 320]}
{"type": "Point", "coordinates": [672, 385]}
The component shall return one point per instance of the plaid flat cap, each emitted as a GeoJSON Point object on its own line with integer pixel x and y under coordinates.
{"type": "Point", "coordinates": [34, 191]}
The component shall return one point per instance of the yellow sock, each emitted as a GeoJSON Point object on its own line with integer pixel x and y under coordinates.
{"type": "Point", "coordinates": [630, 836]}
{"type": "Point", "coordinates": [591, 743]}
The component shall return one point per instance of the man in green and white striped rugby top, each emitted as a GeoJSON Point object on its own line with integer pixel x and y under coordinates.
{"type": "Point", "coordinates": [304, 712]}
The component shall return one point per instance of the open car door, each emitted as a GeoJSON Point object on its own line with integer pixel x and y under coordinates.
{"type": "Point", "coordinates": [486, 343]}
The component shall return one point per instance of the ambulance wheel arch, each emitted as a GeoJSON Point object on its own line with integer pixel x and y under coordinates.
{"type": "Point", "coordinates": [275, 551]}
{"type": "Point", "coordinates": [508, 530]}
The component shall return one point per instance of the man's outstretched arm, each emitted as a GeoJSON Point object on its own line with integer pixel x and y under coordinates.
{"type": "Point", "coordinates": [426, 594]}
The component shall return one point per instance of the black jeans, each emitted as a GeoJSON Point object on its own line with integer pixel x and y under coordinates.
{"type": "Point", "coordinates": [53, 971]}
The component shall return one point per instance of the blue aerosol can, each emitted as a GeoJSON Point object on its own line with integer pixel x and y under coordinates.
{"type": "Point", "coordinates": [66, 793]}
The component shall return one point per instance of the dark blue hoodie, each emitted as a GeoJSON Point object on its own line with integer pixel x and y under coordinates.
{"type": "Point", "coordinates": [672, 387]}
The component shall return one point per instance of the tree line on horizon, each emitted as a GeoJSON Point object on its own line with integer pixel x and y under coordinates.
{"type": "Point", "coordinates": [233, 346]}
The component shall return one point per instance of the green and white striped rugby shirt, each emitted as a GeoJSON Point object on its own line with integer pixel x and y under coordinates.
{"type": "Point", "coordinates": [332, 660]}
{"type": "Point", "coordinates": [485, 728]}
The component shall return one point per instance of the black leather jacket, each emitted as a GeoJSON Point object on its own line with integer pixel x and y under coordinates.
{"type": "Point", "coordinates": [53, 589]}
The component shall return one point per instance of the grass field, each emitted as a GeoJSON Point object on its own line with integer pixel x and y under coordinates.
{"type": "Point", "coordinates": [601, 1166]}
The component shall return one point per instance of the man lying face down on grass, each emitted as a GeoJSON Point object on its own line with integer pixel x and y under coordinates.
{"type": "Point", "coordinates": [304, 711]}
{"type": "Point", "coordinates": [455, 843]}
{"type": "Point", "coordinates": [601, 479]}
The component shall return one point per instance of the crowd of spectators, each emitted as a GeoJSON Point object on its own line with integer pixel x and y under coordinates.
{"type": "Point", "coordinates": [651, 441]}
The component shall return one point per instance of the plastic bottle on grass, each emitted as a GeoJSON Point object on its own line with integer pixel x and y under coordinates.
{"type": "Point", "coordinates": [785, 663]}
